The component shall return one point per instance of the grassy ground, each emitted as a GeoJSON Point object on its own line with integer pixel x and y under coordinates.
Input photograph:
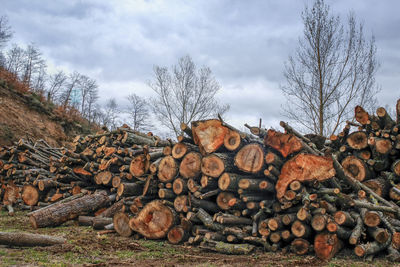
{"type": "Point", "coordinates": [87, 248]}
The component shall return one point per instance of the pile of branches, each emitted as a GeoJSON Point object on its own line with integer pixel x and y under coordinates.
{"type": "Point", "coordinates": [221, 188]}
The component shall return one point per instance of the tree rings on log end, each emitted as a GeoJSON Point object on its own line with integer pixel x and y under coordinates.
{"type": "Point", "coordinates": [121, 224]}
{"type": "Point", "coordinates": [154, 220]}
{"type": "Point", "coordinates": [212, 165]}
{"type": "Point", "coordinates": [167, 170]}
{"type": "Point", "coordinates": [190, 166]}
{"type": "Point", "coordinates": [30, 195]}
{"type": "Point", "coordinates": [356, 168]}
{"type": "Point", "coordinates": [232, 140]}
{"type": "Point", "coordinates": [250, 158]}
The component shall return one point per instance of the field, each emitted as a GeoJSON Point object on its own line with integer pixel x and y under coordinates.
{"type": "Point", "coordinates": [86, 248]}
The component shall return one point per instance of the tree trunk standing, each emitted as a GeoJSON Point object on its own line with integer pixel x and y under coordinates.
{"type": "Point", "coordinates": [60, 213]}
{"type": "Point", "coordinates": [398, 112]}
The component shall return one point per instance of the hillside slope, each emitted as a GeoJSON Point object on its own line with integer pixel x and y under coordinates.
{"type": "Point", "coordinates": [23, 115]}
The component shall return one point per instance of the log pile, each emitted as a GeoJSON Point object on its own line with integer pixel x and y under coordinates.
{"type": "Point", "coordinates": [222, 189]}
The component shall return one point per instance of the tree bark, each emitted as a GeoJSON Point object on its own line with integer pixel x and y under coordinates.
{"type": "Point", "coordinates": [21, 239]}
{"type": "Point", "coordinates": [60, 213]}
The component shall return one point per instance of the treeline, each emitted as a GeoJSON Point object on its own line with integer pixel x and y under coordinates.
{"type": "Point", "coordinates": [71, 93]}
{"type": "Point", "coordinates": [182, 93]}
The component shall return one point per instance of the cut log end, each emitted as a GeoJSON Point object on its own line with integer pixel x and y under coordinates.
{"type": "Point", "coordinates": [30, 195]}
{"type": "Point", "coordinates": [190, 166]}
{"type": "Point", "coordinates": [154, 220]}
{"type": "Point", "coordinates": [326, 246]}
{"type": "Point", "coordinates": [232, 140]}
{"type": "Point", "coordinates": [168, 169]}
{"type": "Point", "coordinates": [250, 158]}
{"type": "Point", "coordinates": [121, 224]}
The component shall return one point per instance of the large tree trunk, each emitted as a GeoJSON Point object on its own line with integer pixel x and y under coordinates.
{"type": "Point", "coordinates": [154, 220]}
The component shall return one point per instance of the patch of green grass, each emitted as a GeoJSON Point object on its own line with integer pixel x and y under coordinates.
{"type": "Point", "coordinates": [3, 252]}
{"type": "Point", "coordinates": [37, 255]}
{"type": "Point", "coordinates": [125, 254]}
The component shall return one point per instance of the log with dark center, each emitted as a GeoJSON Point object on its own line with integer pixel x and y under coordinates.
{"type": "Point", "coordinates": [357, 140]}
{"type": "Point", "coordinates": [356, 168]}
{"type": "Point", "coordinates": [215, 164]}
{"type": "Point", "coordinates": [232, 140]}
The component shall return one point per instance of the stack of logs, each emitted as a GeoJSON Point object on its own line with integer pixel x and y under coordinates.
{"type": "Point", "coordinates": [221, 188]}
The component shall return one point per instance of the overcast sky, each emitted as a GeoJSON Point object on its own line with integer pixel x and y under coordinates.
{"type": "Point", "coordinates": [245, 43]}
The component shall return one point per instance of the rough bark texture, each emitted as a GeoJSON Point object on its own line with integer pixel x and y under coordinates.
{"type": "Point", "coordinates": [60, 213]}
{"type": "Point", "coordinates": [29, 240]}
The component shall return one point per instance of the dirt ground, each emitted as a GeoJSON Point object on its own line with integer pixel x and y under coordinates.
{"type": "Point", "coordinates": [85, 247]}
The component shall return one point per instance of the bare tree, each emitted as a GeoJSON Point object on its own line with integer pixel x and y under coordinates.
{"type": "Point", "coordinates": [15, 60]}
{"type": "Point", "coordinates": [68, 94]}
{"type": "Point", "coordinates": [39, 80]}
{"type": "Point", "coordinates": [5, 31]}
{"type": "Point", "coordinates": [138, 113]}
{"type": "Point", "coordinates": [33, 64]}
{"type": "Point", "coordinates": [56, 82]}
{"type": "Point", "coordinates": [332, 70]}
{"type": "Point", "coordinates": [110, 114]}
{"type": "Point", "coordinates": [87, 86]}
{"type": "Point", "coordinates": [91, 110]}
{"type": "Point", "coordinates": [184, 94]}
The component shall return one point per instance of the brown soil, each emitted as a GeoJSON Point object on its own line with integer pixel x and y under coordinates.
{"type": "Point", "coordinates": [24, 116]}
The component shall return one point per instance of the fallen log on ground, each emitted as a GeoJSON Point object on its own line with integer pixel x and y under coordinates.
{"type": "Point", "coordinates": [21, 239]}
